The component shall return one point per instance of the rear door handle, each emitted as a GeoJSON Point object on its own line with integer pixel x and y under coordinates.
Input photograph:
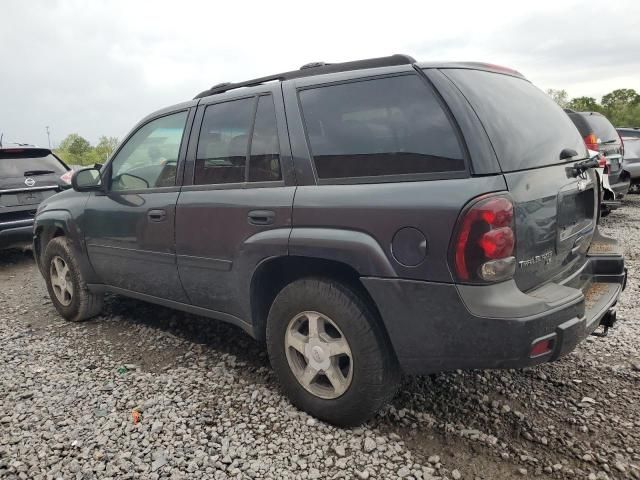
{"type": "Point", "coordinates": [262, 217]}
{"type": "Point", "coordinates": [157, 215]}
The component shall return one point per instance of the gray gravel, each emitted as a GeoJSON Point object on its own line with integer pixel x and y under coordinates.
{"type": "Point", "coordinates": [209, 406]}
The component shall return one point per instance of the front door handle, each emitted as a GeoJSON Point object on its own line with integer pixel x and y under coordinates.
{"type": "Point", "coordinates": [262, 217]}
{"type": "Point", "coordinates": [157, 215]}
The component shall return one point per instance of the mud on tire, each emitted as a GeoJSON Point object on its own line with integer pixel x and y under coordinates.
{"type": "Point", "coordinates": [67, 288]}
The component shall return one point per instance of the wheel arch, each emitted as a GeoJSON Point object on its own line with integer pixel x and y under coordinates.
{"type": "Point", "coordinates": [273, 274]}
{"type": "Point", "coordinates": [59, 223]}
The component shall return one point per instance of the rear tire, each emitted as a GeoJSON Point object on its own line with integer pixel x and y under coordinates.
{"type": "Point", "coordinates": [67, 288]}
{"type": "Point", "coordinates": [348, 358]}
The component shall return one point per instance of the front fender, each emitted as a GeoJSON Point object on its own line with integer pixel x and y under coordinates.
{"type": "Point", "coordinates": [53, 223]}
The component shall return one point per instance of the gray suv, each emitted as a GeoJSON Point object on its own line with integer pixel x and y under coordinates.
{"type": "Point", "coordinates": [364, 219]}
{"type": "Point", "coordinates": [28, 175]}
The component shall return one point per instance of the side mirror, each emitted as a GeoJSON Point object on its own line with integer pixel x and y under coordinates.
{"type": "Point", "coordinates": [86, 180]}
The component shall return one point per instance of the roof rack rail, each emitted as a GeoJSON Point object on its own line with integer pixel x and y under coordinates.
{"type": "Point", "coordinates": [310, 69]}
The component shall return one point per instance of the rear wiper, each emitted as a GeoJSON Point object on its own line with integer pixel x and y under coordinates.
{"type": "Point", "coordinates": [581, 167]}
{"type": "Point", "coordinates": [609, 141]}
{"type": "Point", "coordinates": [33, 173]}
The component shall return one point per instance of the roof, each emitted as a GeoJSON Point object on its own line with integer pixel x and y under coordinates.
{"type": "Point", "coordinates": [310, 69]}
{"type": "Point", "coordinates": [322, 68]}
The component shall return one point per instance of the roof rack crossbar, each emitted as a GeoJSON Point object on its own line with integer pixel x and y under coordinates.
{"type": "Point", "coordinates": [316, 68]}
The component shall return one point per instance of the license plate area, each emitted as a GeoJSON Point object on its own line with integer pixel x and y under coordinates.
{"type": "Point", "coordinates": [575, 212]}
{"type": "Point", "coordinates": [29, 198]}
{"type": "Point", "coordinates": [25, 197]}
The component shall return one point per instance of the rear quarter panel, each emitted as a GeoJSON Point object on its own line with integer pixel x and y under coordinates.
{"type": "Point", "coordinates": [381, 210]}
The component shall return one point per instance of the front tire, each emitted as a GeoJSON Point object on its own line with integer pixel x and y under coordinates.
{"type": "Point", "coordinates": [329, 352]}
{"type": "Point", "coordinates": [67, 288]}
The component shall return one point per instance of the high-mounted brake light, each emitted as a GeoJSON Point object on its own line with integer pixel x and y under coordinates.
{"type": "Point", "coordinates": [485, 241]}
{"type": "Point", "coordinates": [498, 68]}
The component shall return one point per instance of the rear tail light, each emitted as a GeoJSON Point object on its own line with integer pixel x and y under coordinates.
{"type": "Point", "coordinates": [66, 177]}
{"type": "Point", "coordinates": [604, 163]}
{"type": "Point", "coordinates": [592, 142]}
{"type": "Point", "coordinates": [621, 146]}
{"type": "Point", "coordinates": [485, 239]}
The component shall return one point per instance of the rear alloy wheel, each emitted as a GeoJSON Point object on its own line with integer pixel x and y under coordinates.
{"type": "Point", "coordinates": [329, 351]}
{"type": "Point", "coordinates": [319, 355]}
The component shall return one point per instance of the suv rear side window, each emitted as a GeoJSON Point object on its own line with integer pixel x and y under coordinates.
{"type": "Point", "coordinates": [526, 127]}
{"type": "Point", "coordinates": [223, 142]}
{"type": "Point", "coordinates": [226, 139]}
{"type": "Point", "coordinates": [264, 163]}
{"type": "Point", "coordinates": [386, 126]}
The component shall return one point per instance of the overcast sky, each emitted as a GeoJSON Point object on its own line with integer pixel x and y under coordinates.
{"type": "Point", "coordinates": [97, 67]}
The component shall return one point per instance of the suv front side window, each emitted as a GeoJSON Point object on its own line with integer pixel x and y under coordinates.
{"type": "Point", "coordinates": [149, 158]}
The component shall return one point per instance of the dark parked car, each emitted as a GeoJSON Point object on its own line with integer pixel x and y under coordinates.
{"type": "Point", "coordinates": [364, 219]}
{"type": "Point", "coordinates": [601, 136]}
{"type": "Point", "coordinates": [631, 138]}
{"type": "Point", "coordinates": [28, 175]}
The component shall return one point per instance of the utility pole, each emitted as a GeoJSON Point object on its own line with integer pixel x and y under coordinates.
{"type": "Point", "coordinates": [48, 136]}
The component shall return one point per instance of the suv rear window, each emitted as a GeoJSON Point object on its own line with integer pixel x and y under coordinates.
{"type": "Point", "coordinates": [602, 127]}
{"type": "Point", "coordinates": [526, 127]}
{"type": "Point", "coordinates": [385, 126]}
{"type": "Point", "coordinates": [19, 164]}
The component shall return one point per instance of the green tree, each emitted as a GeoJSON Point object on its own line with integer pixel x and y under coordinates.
{"type": "Point", "coordinates": [561, 97]}
{"type": "Point", "coordinates": [621, 106]}
{"type": "Point", "coordinates": [75, 145]}
{"type": "Point", "coordinates": [621, 98]}
{"type": "Point", "coordinates": [76, 150]}
{"type": "Point", "coordinates": [584, 104]}
{"type": "Point", "coordinates": [105, 147]}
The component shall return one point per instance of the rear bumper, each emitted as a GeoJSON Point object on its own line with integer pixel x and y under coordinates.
{"type": "Point", "coordinates": [437, 327]}
{"type": "Point", "coordinates": [632, 167]}
{"type": "Point", "coordinates": [620, 183]}
{"type": "Point", "coordinates": [15, 233]}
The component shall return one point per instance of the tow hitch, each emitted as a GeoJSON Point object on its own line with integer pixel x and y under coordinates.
{"type": "Point", "coordinates": [607, 321]}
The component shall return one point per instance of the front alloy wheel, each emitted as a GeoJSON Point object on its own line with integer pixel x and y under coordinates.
{"type": "Point", "coordinates": [66, 285]}
{"type": "Point", "coordinates": [61, 281]}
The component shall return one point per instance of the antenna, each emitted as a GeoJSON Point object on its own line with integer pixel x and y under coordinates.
{"type": "Point", "coordinates": [48, 136]}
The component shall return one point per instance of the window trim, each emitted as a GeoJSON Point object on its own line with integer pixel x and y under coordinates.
{"type": "Point", "coordinates": [245, 184]}
{"type": "Point", "coordinates": [404, 177]}
{"type": "Point", "coordinates": [107, 169]}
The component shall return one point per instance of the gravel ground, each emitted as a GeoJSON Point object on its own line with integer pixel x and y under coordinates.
{"type": "Point", "coordinates": [209, 406]}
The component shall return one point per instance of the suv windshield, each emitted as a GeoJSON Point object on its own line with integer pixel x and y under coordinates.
{"type": "Point", "coordinates": [602, 128]}
{"type": "Point", "coordinates": [526, 127]}
{"type": "Point", "coordinates": [26, 163]}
